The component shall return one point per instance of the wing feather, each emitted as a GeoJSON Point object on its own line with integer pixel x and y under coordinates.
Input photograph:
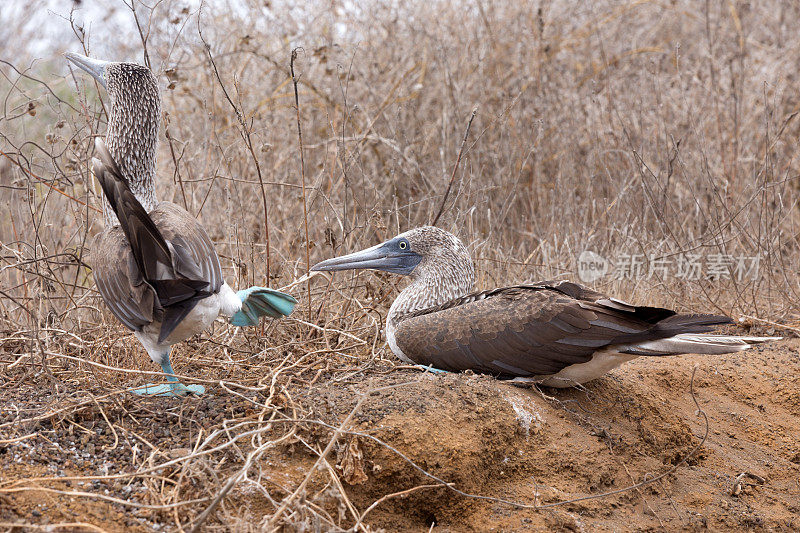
{"type": "Point", "coordinates": [155, 266]}
{"type": "Point", "coordinates": [525, 330]}
{"type": "Point", "coordinates": [110, 255]}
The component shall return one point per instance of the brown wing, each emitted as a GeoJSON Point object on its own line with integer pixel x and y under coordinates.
{"type": "Point", "coordinates": [167, 250]}
{"type": "Point", "coordinates": [193, 252]}
{"type": "Point", "coordinates": [525, 330]}
{"type": "Point", "coordinates": [120, 282]}
{"type": "Point", "coordinates": [113, 268]}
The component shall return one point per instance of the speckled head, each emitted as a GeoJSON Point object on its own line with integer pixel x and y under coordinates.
{"type": "Point", "coordinates": [440, 252]}
{"type": "Point", "coordinates": [132, 134]}
{"type": "Point", "coordinates": [412, 253]}
{"type": "Point", "coordinates": [437, 261]}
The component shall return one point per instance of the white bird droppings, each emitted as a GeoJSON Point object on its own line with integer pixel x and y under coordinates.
{"type": "Point", "coordinates": [527, 414]}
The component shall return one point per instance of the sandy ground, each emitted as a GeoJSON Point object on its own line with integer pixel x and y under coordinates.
{"type": "Point", "coordinates": [484, 437]}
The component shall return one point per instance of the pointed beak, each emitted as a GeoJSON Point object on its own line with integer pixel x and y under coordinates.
{"type": "Point", "coordinates": [381, 257]}
{"type": "Point", "coordinates": [95, 67]}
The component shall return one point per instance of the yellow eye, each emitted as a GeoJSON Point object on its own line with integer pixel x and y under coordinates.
{"type": "Point", "coordinates": [403, 245]}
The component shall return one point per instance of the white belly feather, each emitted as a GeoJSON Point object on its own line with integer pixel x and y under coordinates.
{"type": "Point", "coordinates": [225, 302]}
{"type": "Point", "coordinates": [198, 320]}
{"type": "Point", "coordinates": [391, 339]}
{"type": "Point", "coordinates": [602, 361]}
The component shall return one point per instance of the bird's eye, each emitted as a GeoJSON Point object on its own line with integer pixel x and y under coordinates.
{"type": "Point", "coordinates": [403, 245]}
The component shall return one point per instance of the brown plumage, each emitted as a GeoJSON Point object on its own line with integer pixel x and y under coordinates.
{"type": "Point", "coordinates": [154, 264]}
{"type": "Point", "coordinates": [554, 332]}
{"type": "Point", "coordinates": [151, 267]}
{"type": "Point", "coordinates": [532, 330]}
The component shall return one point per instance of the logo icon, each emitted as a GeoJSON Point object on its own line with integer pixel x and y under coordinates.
{"type": "Point", "coordinates": [592, 266]}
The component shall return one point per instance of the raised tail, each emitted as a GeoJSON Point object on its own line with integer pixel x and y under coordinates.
{"type": "Point", "coordinates": [261, 301]}
{"type": "Point", "coordinates": [177, 294]}
{"type": "Point", "coordinates": [150, 250]}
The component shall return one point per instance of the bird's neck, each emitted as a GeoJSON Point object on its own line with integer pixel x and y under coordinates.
{"type": "Point", "coordinates": [132, 139]}
{"type": "Point", "coordinates": [436, 284]}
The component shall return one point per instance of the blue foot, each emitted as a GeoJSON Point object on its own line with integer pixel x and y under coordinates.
{"type": "Point", "coordinates": [260, 301]}
{"type": "Point", "coordinates": [169, 389]}
{"type": "Point", "coordinates": [430, 368]}
{"type": "Point", "coordinates": [173, 388]}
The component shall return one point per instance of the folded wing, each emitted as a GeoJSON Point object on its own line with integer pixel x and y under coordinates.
{"type": "Point", "coordinates": [532, 330]}
{"type": "Point", "coordinates": [153, 267]}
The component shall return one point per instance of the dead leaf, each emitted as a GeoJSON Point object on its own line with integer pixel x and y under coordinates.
{"type": "Point", "coordinates": [351, 464]}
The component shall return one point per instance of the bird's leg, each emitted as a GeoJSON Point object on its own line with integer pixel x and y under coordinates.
{"type": "Point", "coordinates": [260, 301]}
{"type": "Point", "coordinates": [173, 388]}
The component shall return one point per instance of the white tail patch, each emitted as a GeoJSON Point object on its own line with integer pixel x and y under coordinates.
{"type": "Point", "coordinates": [601, 362]}
{"type": "Point", "coordinates": [695, 343]}
{"type": "Point", "coordinates": [229, 302]}
{"type": "Point", "coordinates": [609, 358]}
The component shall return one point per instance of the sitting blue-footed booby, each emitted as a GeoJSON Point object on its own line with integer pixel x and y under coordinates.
{"type": "Point", "coordinates": [555, 333]}
{"type": "Point", "coordinates": [154, 264]}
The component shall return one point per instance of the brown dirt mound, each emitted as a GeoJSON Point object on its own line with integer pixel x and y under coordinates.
{"type": "Point", "coordinates": [484, 437]}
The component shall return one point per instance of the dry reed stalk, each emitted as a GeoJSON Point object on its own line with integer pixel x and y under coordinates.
{"type": "Point", "coordinates": [455, 168]}
{"type": "Point", "coordinates": [302, 174]}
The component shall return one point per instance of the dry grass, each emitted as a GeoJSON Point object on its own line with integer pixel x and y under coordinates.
{"type": "Point", "coordinates": [654, 128]}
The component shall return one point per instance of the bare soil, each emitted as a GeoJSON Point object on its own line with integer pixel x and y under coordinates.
{"type": "Point", "coordinates": [484, 437]}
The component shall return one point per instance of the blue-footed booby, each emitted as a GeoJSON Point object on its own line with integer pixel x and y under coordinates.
{"type": "Point", "coordinates": [154, 264]}
{"type": "Point", "coordinates": [555, 333]}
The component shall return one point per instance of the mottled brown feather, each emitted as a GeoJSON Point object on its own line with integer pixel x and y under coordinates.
{"type": "Point", "coordinates": [531, 330]}
{"type": "Point", "coordinates": [133, 300]}
{"type": "Point", "coordinates": [160, 258]}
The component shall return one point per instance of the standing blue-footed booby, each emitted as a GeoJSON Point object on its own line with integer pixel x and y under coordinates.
{"type": "Point", "coordinates": [555, 333]}
{"type": "Point", "coordinates": [154, 264]}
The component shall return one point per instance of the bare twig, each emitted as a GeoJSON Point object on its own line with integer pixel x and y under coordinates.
{"type": "Point", "coordinates": [300, 488]}
{"type": "Point", "coordinates": [302, 173]}
{"type": "Point", "coordinates": [455, 168]}
{"type": "Point", "coordinates": [245, 133]}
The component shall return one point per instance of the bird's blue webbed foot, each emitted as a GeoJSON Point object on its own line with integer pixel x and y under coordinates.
{"type": "Point", "coordinates": [260, 301]}
{"type": "Point", "coordinates": [173, 388]}
{"type": "Point", "coordinates": [170, 389]}
{"type": "Point", "coordinates": [429, 368]}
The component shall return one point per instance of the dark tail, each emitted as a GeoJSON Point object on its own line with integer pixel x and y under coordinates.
{"type": "Point", "coordinates": [150, 250]}
{"type": "Point", "coordinates": [176, 294]}
{"type": "Point", "coordinates": [673, 325]}
{"type": "Point", "coordinates": [677, 324]}
{"type": "Point", "coordinates": [681, 334]}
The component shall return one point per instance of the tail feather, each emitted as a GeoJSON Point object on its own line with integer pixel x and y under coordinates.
{"type": "Point", "coordinates": [674, 325]}
{"type": "Point", "coordinates": [150, 250]}
{"type": "Point", "coordinates": [177, 295]}
{"type": "Point", "coordinates": [692, 323]}
{"type": "Point", "coordinates": [695, 343]}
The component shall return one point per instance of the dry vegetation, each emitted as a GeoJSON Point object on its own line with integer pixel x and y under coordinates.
{"type": "Point", "coordinates": [662, 128]}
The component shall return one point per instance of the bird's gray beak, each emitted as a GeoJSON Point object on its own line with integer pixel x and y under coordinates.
{"type": "Point", "coordinates": [386, 257]}
{"type": "Point", "coordinates": [95, 67]}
